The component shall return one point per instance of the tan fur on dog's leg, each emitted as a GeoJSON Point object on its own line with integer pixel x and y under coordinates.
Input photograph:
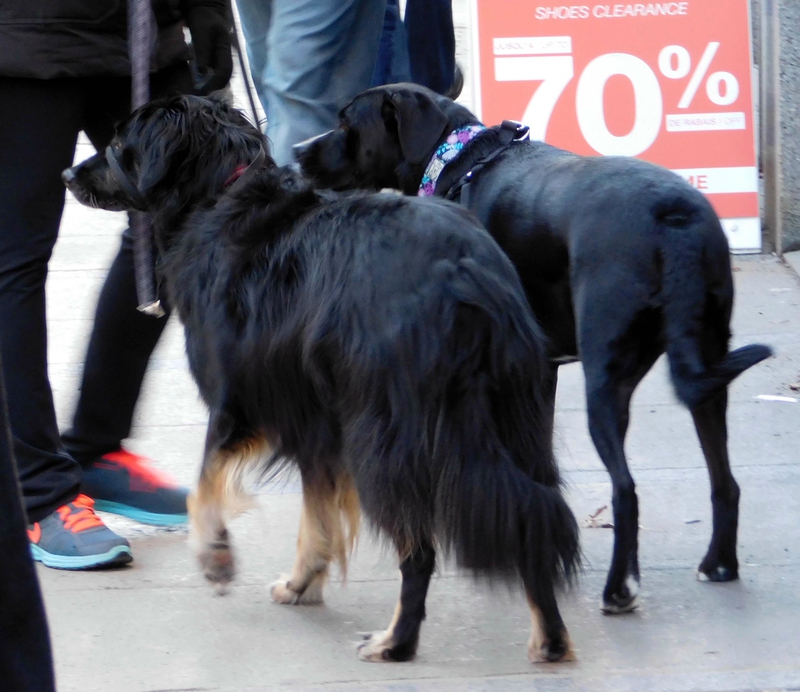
{"type": "Point", "coordinates": [219, 497]}
{"type": "Point", "coordinates": [328, 529]}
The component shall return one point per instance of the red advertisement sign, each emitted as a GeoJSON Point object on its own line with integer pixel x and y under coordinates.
{"type": "Point", "coordinates": [669, 82]}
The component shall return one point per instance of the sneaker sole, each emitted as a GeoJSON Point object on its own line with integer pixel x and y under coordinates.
{"type": "Point", "coordinates": [118, 555]}
{"type": "Point", "coordinates": [141, 515]}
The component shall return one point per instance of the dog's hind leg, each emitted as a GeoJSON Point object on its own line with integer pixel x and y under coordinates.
{"type": "Point", "coordinates": [720, 563]}
{"type": "Point", "coordinates": [220, 495]}
{"type": "Point", "coordinates": [328, 525]}
{"type": "Point", "coordinates": [607, 404]}
{"type": "Point", "coordinates": [615, 360]}
{"type": "Point", "coordinates": [398, 642]}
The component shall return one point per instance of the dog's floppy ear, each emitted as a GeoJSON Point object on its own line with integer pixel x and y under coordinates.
{"type": "Point", "coordinates": [420, 123]}
{"type": "Point", "coordinates": [163, 138]}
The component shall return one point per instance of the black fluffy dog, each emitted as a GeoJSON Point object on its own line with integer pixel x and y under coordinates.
{"type": "Point", "coordinates": [621, 261]}
{"type": "Point", "coordinates": [381, 344]}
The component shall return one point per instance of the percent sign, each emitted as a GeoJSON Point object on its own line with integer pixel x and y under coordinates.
{"type": "Point", "coordinates": [556, 71]}
{"type": "Point", "coordinates": [713, 83]}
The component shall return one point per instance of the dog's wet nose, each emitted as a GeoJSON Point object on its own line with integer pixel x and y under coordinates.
{"type": "Point", "coordinates": [68, 175]}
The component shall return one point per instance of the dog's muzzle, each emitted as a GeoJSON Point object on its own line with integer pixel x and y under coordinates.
{"type": "Point", "coordinates": [301, 149]}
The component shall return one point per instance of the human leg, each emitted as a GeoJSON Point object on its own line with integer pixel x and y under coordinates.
{"type": "Point", "coordinates": [391, 65]}
{"type": "Point", "coordinates": [320, 54]}
{"type": "Point", "coordinates": [30, 214]}
{"type": "Point", "coordinates": [255, 17]}
{"type": "Point", "coordinates": [64, 531]}
{"type": "Point", "coordinates": [26, 660]}
{"type": "Point", "coordinates": [431, 43]}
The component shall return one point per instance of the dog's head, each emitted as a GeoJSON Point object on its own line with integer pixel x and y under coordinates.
{"type": "Point", "coordinates": [385, 138]}
{"type": "Point", "coordinates": [170, 154]}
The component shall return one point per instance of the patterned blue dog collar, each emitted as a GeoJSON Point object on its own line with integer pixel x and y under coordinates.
{"type": "Point", "coordinates": [446, 152]}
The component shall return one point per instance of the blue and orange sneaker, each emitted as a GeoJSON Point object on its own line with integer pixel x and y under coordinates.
{"type": "Point", "coordinates": [126, 484]}
{"type": "Point", "coordinates": [74, 537]}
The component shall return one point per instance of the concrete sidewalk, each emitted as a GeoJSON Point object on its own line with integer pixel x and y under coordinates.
{"type": "Point", "coordinates": [157, 626]}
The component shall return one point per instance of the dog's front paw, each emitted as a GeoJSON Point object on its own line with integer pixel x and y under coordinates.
{"type": "Point", "coordinates": [376, 647]}
{"type": "Point", "coordinates": [282, 592]}
{"type": "Point", "coordinates": [218, 565]}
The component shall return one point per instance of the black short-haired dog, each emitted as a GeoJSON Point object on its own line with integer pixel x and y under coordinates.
{"type": "Point", "coordinates": [382, 345]}
{"type": "Point", "coordinates": [621, 261]}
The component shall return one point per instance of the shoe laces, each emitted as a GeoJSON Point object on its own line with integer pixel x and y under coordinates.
{"type": "Point", "coordinates": [139, 467]}
{"type": "Point", "coordinates": [79, 515]}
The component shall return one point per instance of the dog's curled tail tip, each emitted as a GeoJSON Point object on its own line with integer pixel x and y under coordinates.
{"type": "Point", "coordinates": [694, 391]}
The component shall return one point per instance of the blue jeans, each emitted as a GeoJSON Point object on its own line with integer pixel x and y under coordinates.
{"type": "Point", "coordinates": [308, 58]}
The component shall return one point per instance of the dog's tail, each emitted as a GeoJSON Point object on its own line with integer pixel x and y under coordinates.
{"type": "Point", "coordinates": [697, 294]}
{"type": "Point", "coordinates": [491, 515]}
{"type": "Point", "coordinates": [499, 507]}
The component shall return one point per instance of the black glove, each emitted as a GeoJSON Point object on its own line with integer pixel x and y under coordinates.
{"type": "Point", "coordinates": [210, 25]}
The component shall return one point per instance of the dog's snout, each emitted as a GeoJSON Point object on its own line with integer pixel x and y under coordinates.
{"type": "Point", "coordinates": [302, 149]}
{"type": "Point", "coordinates": [68, 175]}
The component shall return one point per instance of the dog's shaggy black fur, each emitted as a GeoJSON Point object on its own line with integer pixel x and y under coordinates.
{"type": "Point", "coordinates": [621, 261]}
{"type": "Point", "coordinates": [377, 342]}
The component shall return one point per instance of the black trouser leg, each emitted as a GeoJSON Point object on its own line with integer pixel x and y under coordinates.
{"type": "Point", "coordinates": [431, 43]}
{"type": "Point", "coordinates": [39, 124]}
{"type": "Point", "coordinates": [119, 350]}
{"type": "Point", "coordinates": [25, 659]}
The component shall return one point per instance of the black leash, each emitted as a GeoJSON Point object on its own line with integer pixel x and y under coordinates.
{"type": "Point", "coordinates": [141, 27]}
{"type": "Point", "coordinates": [509, 131]}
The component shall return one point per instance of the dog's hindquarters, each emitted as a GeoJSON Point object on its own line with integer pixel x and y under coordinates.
{"type": "Point", "coordinates": [484, 485]}
{"type": "Point", "coordinates": [697, 297]}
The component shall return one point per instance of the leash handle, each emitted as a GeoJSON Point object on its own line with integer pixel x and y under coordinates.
{"type": "Point", "coordinates": [141, 33]}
